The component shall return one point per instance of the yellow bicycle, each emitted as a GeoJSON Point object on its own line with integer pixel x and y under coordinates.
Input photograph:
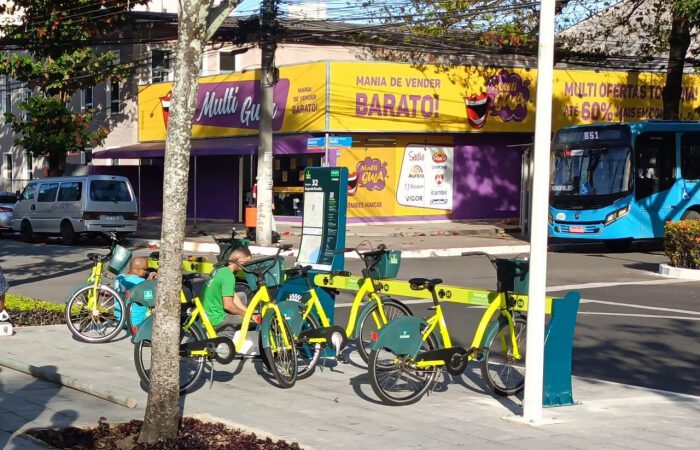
{"type": "Point", "coordinates": [410, 352]}
{"type": "Point", "coordinates": [200, 342]}
{"type": "Point", "coordinates": [95, 311]}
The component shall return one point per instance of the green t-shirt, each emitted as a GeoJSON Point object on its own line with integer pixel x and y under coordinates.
{"type": "Point", "coordinates": [222, 284]}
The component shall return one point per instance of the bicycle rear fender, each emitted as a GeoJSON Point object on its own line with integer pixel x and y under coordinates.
{"type": "Point", "coordinates": [402, 336]}
{"type": "Point", "coordinates": [364, 311]}
{"type": "Point", "coordinates": [144, 331]}
{"type": "Point", "coordinates": [292, 315]}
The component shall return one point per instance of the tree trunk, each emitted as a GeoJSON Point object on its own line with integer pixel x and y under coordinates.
{"type": "Point", "coordinates": [163, 409]}
{"type": "Point", "coordinates": [57, 164]}
{"type": "Point", "coordinates": [679, 40]}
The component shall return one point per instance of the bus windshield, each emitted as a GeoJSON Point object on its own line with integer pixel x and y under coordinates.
{"type": "Point", "coordinates": [595, 171]}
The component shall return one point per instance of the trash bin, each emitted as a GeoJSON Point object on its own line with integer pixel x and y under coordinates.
{"type": "Point", "coordinates": [513, 275]}
{"type": "Point", "coordinates": [251, 217]}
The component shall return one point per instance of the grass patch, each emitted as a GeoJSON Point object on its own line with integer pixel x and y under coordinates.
{"type": "Point", "coordinates": [26, 311]}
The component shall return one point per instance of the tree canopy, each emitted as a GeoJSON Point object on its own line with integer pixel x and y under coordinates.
{"type": "Point", "coordinates": [51, 50]}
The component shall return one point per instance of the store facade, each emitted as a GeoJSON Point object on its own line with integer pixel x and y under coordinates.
{"type": "Point", "coordinates": [420, 143]}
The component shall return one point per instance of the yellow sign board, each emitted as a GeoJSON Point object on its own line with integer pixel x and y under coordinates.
{"type": "Point", "coordinates": [583, 97]}
{"type": "Point", "coordinates": [229, 105]}
{"type": "Point", "coordinates": [401, 97]}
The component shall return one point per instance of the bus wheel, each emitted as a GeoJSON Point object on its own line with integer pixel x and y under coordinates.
{"type": "Point", "coordinates": [691, 215]}
{"type": "Point", "coordinates": [618, 245]}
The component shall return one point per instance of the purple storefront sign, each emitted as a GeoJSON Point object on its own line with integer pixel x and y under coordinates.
{"type": "Point", "coordinates": [236, 104]}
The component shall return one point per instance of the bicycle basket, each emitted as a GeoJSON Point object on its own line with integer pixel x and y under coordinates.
{"type": "Point", "coordinates": [273, 277]}
{"type": "Point", "coordinates": [387, 267]}
{"type": "Point", "coordinates": [120, 258]}
{"type": "Point", "coordinates": [513, 275]}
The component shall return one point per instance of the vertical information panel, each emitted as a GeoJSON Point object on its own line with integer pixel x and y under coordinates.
{"type": "Point", "coordinates": [325, 213]}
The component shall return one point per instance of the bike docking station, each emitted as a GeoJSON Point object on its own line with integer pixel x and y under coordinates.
{"type": "Point", "coordinates": [559, 331]}
{"type": "Point", "coordinates": [322, 239]}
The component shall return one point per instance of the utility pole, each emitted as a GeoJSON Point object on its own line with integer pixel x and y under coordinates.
{"type": "Point", "coordinates": [268, 28]}
{"type": "Point", "coordinates": [534, 365]}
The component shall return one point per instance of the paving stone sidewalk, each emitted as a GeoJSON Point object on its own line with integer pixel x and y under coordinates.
{"type": "Point", "coordinates": [336, 408]}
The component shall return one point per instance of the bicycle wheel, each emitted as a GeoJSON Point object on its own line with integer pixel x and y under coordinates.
{"type": "Point", "coordinates": [499, 369]}
{"type": "Point", "coordinates": [101, 324]}
{"type": "Point", "coordinates": [308, 355]}
{"type": "Point", "coordinates": [395, 379]}
{"type": "Point", "coordinates": [371, 324]}
{"type": "Point", "coordinates": [191, 367]}
{"type": "Point", "coordinates": [282, 358]}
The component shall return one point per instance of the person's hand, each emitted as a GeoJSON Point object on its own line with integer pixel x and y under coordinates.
{"type": "Point", "coordinates": [152, 275]}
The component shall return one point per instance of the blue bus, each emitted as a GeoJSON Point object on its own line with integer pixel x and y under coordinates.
{"type": "Point", "coordinates": [623, 181]}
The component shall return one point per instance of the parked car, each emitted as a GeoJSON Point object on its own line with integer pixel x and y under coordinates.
{"type": "Point", "coordinates": [7, 205]}
{"type": "Point", "coordinates": [72, 206]}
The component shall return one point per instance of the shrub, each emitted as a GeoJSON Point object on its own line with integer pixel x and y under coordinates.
{"type": "Point", "coordinates": [682, 243]}
{"type": "Point", "coordinates": [26, 311]}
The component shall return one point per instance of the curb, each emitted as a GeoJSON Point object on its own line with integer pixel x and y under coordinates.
{"type": "Point", "coordinates": [406, 254]}
{"type": "Point", "coordinates": [73, 383]}
{"type": "Point", "coordinates": [677, 272]}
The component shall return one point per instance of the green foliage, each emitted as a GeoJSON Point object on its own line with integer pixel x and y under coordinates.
{"type": "Point", "coordinates": [54, 56]}
{"type": "Point", "coordinates": [26, 311]}
{"type": "Point", "coordinates": [682, 243]}
{"type": "Point", "coordinates": [441, 31]}
{"type": "Point", "coordinates": [50, 130]}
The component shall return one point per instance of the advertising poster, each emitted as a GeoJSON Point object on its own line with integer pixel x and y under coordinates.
{"type": "Point", "coordinates": [401, 97]}
{"type": "Point", "coordinates": [425, 180]}
{"type": "Point", "coordinates": [229, 105]}
{"type": "Point", "coordinates": [407, 179]}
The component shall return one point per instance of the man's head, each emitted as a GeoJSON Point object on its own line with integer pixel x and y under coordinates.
{"type": "Point", "coordinates": [138, 266]}
{"type": "Point", "coordinates": [238, 257]}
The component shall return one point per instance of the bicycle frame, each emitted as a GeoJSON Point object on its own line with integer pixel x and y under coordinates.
{"type": "Point", "coordinates": [261, 296]}
{"type": "Point", "coordinates": [438, 321]}
{"type": "Point", "coordinates": [366, 288]}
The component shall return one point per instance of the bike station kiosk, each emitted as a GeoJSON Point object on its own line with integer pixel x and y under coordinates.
{"type": "Point", "coordinates": [323, 232]}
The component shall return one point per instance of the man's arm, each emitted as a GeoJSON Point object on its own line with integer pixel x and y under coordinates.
{"type": "Point", "coordinates": [233, 306]}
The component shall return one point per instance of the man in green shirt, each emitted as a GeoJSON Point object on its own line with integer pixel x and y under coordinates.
{"type": "Point", "coordinates": [223, 305]}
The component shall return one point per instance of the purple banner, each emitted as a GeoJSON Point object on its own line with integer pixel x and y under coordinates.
{"type": "Point", "coordinates": [236, 104]}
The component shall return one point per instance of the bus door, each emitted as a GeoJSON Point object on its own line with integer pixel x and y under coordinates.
{"type": "Point", "coordinates": [690, 171]}
{"type": "Point", "coordinates": [656, 189]}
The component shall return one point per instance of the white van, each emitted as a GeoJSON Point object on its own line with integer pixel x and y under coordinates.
{"type": "Point", "coordinates": [71, 206]}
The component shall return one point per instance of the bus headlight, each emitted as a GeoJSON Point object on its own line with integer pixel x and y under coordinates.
{"type": "Point", "coordinates": [613, 216]}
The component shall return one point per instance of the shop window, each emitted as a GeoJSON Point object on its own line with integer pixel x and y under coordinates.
{"type": "Point", "coordinates": [87, 103]}
{"type": "Point", "coordinates": [656, 163]}
{"type": "Point", "coordinates": [161, 66]}
{"type": "Point", "coordinates": [227, 62]}
{"type": "Point", "coordinates": [288, 182]}
{"type": "Point", "coordinates": [7, 166]}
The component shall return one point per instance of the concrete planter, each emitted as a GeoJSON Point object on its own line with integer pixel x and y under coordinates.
{"type": "Point", "coordinates": [669, 271]}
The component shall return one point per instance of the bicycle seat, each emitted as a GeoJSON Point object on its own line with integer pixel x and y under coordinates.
{"type": "Point", "coordinates": [418, 284]}
{"type": "Point", "coordinates": [295, 272]}
{"type": "Point", "coordinates": [96, 257]}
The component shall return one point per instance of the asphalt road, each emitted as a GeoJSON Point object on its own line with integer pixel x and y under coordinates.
{"type": "Point", "coordinates": [634, 327]}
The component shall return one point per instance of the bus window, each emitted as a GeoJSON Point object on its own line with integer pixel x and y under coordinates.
{"type": "Point", "coordinates": [656, 163]}
{"type": "Point", "coordinates": [690, 156]}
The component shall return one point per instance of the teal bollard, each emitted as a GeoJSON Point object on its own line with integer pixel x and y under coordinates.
{"type": "Point", "coordinates": [558, 350]}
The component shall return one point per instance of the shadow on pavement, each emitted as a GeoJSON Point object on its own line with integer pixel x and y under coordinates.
{"type": "Point", "coordinates": [20, 406]}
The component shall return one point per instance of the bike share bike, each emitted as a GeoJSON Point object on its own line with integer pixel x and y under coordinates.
{"type": "Point", "coordinates": [95, 311]}
{"type": "Point", "coordinates": [370, 310]}
{"type": "Point", "coordinates": [199, 341]}
{"type": "Point", "coordinates": [410, 352]}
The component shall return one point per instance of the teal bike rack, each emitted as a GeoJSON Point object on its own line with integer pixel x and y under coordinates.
{"type": "Point", "coordinates": [558, 351]}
